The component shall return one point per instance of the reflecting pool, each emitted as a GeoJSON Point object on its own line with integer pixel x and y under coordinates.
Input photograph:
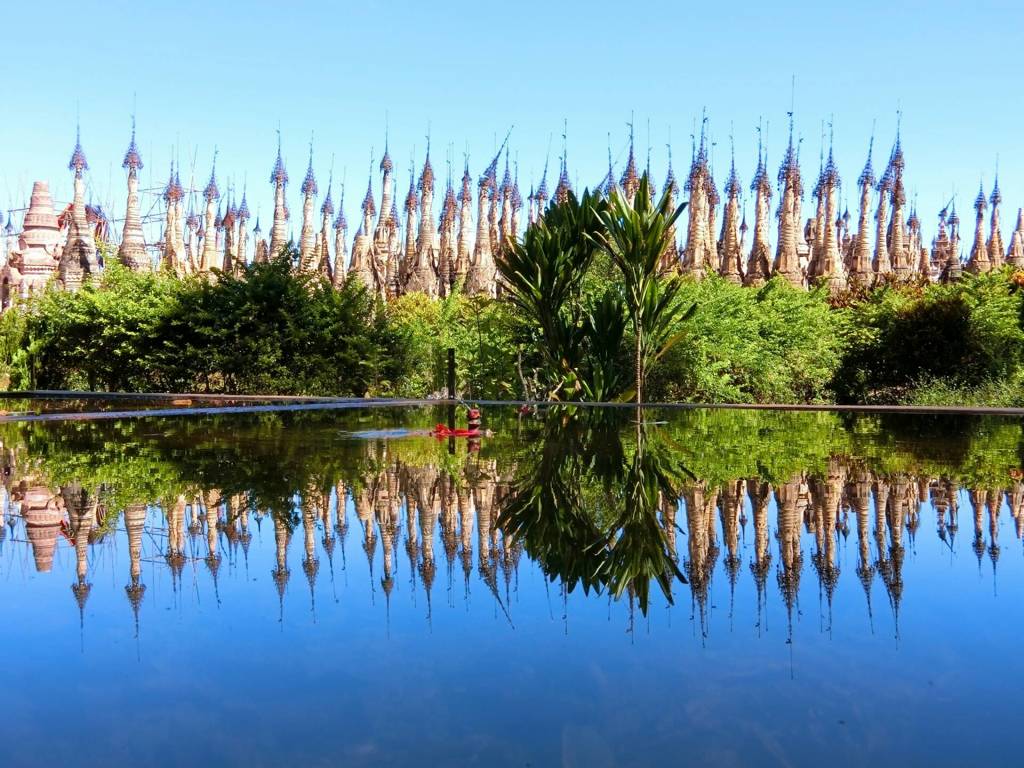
{"type": "Point", "coordinates": [576, 588]}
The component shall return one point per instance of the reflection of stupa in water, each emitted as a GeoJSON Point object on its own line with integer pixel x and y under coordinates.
{"type": "Point", "coordinates": [858, 491]}
{"type": "Point", "coordinates": [281, 574]}
{"type": "Point", "coordinates": [175, 554]}
{"type": "Point", "coordinates": [42, 511]}
{"type": "Point", "coordinates": [702, 545]}
{"type": "Point", "coordinates": [135, 523]}
{"type": "Point", "coordinates": [760, 496]}
{"type": "Point", "coordinates": [81, 507]}
{"type": "Point", "coordinates": [460, 508]}
{"type": "Point", "coordinates": [826, 497]}
{"type": "Point", "coordinates": [790, 497]}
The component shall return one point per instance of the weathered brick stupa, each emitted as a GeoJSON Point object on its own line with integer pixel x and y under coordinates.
{"type": "Point", "coordinates": [436, 253]}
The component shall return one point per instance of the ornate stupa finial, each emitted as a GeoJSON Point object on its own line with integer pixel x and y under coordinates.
{"type": "Point", "coordinates": [542, 188]}
{"type": "Point", "coordinates": [997, 196]}
{"type": "Point", "coordinates": [78, 163]}
{"type": "Point", "coordinates": [279, 175]}
{"type": "Point", "coordinates": [867, 176]}
{"type": "Point", "coordinates": [426, 181]}
{"type": "Point", "coordinates": [732, 184]}
{"type": "Point", "coordinates": [897, 161]}
{"type": "Point", "coordinates": [309, 183]}
{"type": "Point", "coordinates": [980, 204]}
{"type": "Point", "coordinates": [211, 192]}
{"type": "Point", "coordinates": [243, 208]}
{"type": "Point", "coordinates": [257, 230]}
{"type": "Point", "coordinates": [179, 191]}
{"type": "Point", "coordinates": [506, 178]}
{"type": "Point", "coordinates": [608, 184]}
{"type": "Point", "coordinates": [790, 162]}
{"type": "Point", "coordinates": [327, 208]}
{"type": "Point", "coordinates": [517, 198]}
{"type": "Point", "coordinates": [670, 178]}
{"type": "Point", "coordinates": [760, 184]}
{"type": "Point", "coordinates": [699, 162]}
{"type": "Point", "coordinates": [385, 162]}
{"type": "Point", "coordinates": [339, 221]}
{"type": "Point", "coordinates": [489, 179]}
{"type": "Point", "coordinates": [630, 180]}
{"type": "Point", "coordinates": [368, 206]}
{"type": "Point", "coordinates": [466, 193]}
{"type": "Point", "coordinates": [564, 184]}
{"type": "Point", "coordinates": [829, 173]}
{"type": "Point", "coordinates": [169, 190]}
{"type": "Point", "coordinates": [132, 158]}
{"type": "Point", "coordinates": [410, 196]}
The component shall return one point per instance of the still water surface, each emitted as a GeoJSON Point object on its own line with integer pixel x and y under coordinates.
{"type": "Point", "coordinates": [710, 588]}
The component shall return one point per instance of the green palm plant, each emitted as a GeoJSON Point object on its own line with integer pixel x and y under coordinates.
{"type": "Point", "coordinates": [543, 277]}
{"type": "Point", "coordinates": [635, 234]}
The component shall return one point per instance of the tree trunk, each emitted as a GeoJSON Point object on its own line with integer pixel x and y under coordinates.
{"type": "Point", "coordinates": [639, 365]}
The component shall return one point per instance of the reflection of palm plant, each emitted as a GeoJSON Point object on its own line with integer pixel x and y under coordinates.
{"type": "Point", "coordinates": [635, 234]}
{"type": "Point", "coordinates": [609, 540]}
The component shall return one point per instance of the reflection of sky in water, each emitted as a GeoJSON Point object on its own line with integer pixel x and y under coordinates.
{"type": "Point", "coordinates": [528, 676]}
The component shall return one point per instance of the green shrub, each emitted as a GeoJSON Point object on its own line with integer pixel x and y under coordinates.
{"type": "Point", "coordinates": [772, 344]}
{"type": "Point", "coordinates": [965, 335]}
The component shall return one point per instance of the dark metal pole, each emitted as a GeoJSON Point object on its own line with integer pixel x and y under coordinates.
{"type": "Point", "coordinates": [451, 373]}
{"type": "Point", "coordinates": [451, 397]}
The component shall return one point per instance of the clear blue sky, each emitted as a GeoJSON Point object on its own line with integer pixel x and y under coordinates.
{"type": "Point", "coordinates": [225, 74]}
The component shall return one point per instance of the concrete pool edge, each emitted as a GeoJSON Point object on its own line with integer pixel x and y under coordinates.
{"type": "Point", "coordinates": [214, 404]}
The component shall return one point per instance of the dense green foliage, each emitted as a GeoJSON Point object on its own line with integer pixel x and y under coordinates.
{"type": "Point", "coordinates": [270, 330]}
{"type": "Point", "coordinates": [266, 331]}
{"type": "Point", "coordinates": [950, 340]}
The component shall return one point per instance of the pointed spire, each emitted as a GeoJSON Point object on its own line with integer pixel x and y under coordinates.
{"type": "Point", "coordinates": [506, 178]}
{"type": "Point", "coordinates": [564, 186]}
{"type": "Point", "coordinates": [466, 193]}
{"type": "Point", "coordinates": [132, 158]}
{"type": "Point", "coordinates": [997, 196]}
{"type": "Point", "coordinates": [169, 191]}
{"type": "Point", "coordinates": [78, 163]}
{"type": "Point", "coordinates": [426, 180]}
{"type": "Point", "coordinates": [179, 191]}
{"type": "Point", "coordinates": [243, 208]}
{"type": "Point", "coordinates": [279, 175]}
{"type": "Point", "coordinates": [759, 184]}
{"type": "Point", "coordinates": [368, 206]}
{"type": "Point", "coordinates": [385, 162]}
{"type": "Point", "coordinates": [211, 192]}
{"type": "Point", "coordinates": [867, 176]}
{"type": "Point", "coordinates": [630, 181]}
{"type": "Point", "coordinates": [732, 184]}
{"type": "Point", "coordinates": [517, 198]}
{"type": "Point", "coordinates": [309, 183]}
{"type": "Point", "coordinates": [327, 209]}
{"type": "Point", "coordinates": [980, 203]}
{"type": "Point", "coordinates": [542, 188]}
{"type": "Point", "coordinates": [339, 222]}
{"type": "Point", "coordinates": [410, 197]}
{"type": "Point", "coordinates": [671, 184]}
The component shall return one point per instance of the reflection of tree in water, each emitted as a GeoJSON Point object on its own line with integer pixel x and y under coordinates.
{"type": "Point", "coordinates": [594, 500]}
{"type": "Point", "coordinates": [587, 510]}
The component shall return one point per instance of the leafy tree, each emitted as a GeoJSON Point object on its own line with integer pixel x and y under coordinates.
{"type": "Point", "coordinates": [635, 234]}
